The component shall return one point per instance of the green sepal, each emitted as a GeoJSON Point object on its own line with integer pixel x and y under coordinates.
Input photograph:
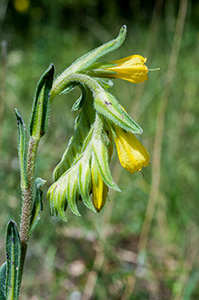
{"type": "Point", "coordinates": [37, 204]}
{"type": "Point", "coordinates": [107, 105]}
{"type": "Point", "coordinates": [41, 104]}
{"type": "Point", "coordinates": [13, 250]}
{"type": "Point", "coordinates": [98, 69]}
{"type": "Point", "coordinates": [21, 148]}
{"type": "Point", "coordinates": [3, 281]}
{"type": "Point", "coordinates": [100, 151]}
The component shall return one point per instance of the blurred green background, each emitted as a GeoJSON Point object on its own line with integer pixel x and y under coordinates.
{"type": "Point", "coordinates": [144, 244]}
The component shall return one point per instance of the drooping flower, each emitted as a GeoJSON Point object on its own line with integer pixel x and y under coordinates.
{"type": "Point", "coordinates": [131, 68]}
{"type": "Point", "coordinates": [132, 155]}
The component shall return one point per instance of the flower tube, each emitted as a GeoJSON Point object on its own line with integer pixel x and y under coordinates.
{"type": "Point", "coordinates": [131, 68]}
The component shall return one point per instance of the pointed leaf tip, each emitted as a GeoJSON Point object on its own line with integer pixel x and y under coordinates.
{"type": "Point", "coordinates": [21, 130]}
{"type": "Point", "coordinates": [40, 110]}
{"type": "Point", "coordinates": [123, 29]}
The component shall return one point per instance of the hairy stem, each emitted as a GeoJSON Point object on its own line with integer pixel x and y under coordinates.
{"type": "Point", "coordinates": [27, 201]}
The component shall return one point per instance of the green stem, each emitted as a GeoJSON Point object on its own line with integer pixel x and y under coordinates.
{"type": "Point", "coordinates": [27, 202]}
{"type": "Point", "coordinates": [63, 81]}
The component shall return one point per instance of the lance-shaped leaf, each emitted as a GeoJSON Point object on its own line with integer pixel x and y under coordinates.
{"type": "Point", "coordinates": [3, 281]}
{"type": "Point", "coordinates": [85, 61]}
{"type": "Point", "coordinates": [13, 250]}
{"type": "Point", "coordinates": [40, 111]}
{"type": "Point", "coordinates": [107, 105]}
{"type": "Point", "coordinates": [37, 205]}
{"type": "Point", "coordinates": [22, 148]}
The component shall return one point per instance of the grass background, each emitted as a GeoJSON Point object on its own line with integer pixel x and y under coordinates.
{"type": "Point", "coordinates": [144, 244]}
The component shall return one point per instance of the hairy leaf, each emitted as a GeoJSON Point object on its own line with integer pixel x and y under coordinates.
{"type": "Point", "coordinates": [13, 250]}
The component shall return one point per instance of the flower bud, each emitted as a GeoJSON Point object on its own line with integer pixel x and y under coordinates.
{"type": "Point", "coordinates": [132, 155]}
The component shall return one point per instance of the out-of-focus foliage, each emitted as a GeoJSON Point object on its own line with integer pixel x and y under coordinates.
{"type": "Point", "coordinates": [61, 255]}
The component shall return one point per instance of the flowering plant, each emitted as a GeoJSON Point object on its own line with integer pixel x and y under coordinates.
{"type": "Point", "coordinates": [84, 167]}
{"type": "Point", "coordinates": [83, 173]}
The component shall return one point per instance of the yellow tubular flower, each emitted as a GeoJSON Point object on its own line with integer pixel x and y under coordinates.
{"type": "Point", "coordinates": [133, 156]}
{"type": "Point", "coordinates": [99, 190]}
{"type": "Point", "coordinates": [131, 68]}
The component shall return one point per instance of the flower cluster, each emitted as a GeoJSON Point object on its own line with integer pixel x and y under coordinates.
{"type": "Point", "coordinates": [83, 173]}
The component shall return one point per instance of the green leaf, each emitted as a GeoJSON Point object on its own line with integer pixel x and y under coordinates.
{"type": "Point", "coordinates": [13, 250]}
{"type": "Point", "coordinates": [85, 62]}
{"type": "Point", "coordinates": [107, 105]}
{"type": "Point", "coordinates": [37, 205]}
{"type": "Point", "coordinates": [40, 111]}
{"type": "Point", "coordinates": [21, 148]}
{"type": "Point", "coordinates": [3, 281]}
{"type": "Point", "coordinates": [87, 59]}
